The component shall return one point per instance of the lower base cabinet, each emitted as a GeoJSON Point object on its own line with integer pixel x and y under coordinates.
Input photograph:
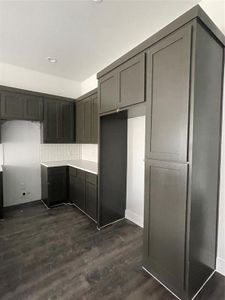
{"type": "Point", "coordinates": [83, 188]}
{"type": "Point", "coordinates": [91, 195]}
{"type": "Point", "coordinates": [68, 184]}
{"type": "Point", "coordinates": [77, 187]}
{"type": "Point", "coordinates": [1, 197]}
{"type": "Point", "coordinates": [54, 185]}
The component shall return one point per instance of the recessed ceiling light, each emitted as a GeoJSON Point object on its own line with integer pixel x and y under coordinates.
{"type": "Point", "coordinates": [97, 1]}
{"type": "Point", "coordinates": [52, 60]}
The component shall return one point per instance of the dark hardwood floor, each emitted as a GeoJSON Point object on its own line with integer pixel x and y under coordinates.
{"type": "Point", "coordinates": [59, 254]}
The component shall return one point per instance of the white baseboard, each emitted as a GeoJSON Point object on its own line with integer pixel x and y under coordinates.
{"type": "Point", "coordinates": [220, 265]}
{"type": "Point", "coordinates": [133, 217]}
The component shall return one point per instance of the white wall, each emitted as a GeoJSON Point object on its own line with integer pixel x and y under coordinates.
{"type": "Point", "coordinates": [22, 78]}
{"type": "Point", "coordinates": [216, 11]}
{"type": "Point", "coordinates": [135, 170]}
{"type": "Point", "coordinates": [21, 170]}
{"type": "Point", "coordinates": [89, 84]}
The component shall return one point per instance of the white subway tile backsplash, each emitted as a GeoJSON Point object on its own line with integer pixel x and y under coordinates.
{"type": "Point", "coordinates": [89, 152]}
{"type": "Point", "coordinates": [57, 152]}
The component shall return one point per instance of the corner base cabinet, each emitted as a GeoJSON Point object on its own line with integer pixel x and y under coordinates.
{"type": "Point", "coordinates": [83, 191]}
{"type": "Point", "coordinates": [54, 185]}
{"type": "Point", "coordinates": [183, 130]}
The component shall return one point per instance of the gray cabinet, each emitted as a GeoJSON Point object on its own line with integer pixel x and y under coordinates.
{"type": "Point", "coordinates": [77, 187]}
{"type": "Point", "coordinates": [54, 185]}
{"type": "Point", "coordinates": [165, 221]}
{"type": "Point", "coordinates": [12, 106]}
{"type": "Point", "coordinates": [109, 92]}
{"type": "Point", "coordinates": [91, 195]}
{"type": "Point", "coordinates": [168, 78]}
{"type": "Point", "coordinates": [87, 119]}
{"type": "Point", "coordinates": [33, 108]}
{"type": "Point", "coordinates": [183, 90]}
{"type": "Point", "coordinates": [19, 106]}
{"type": "Point", "coordinates": [66, 122]}
{"type": "Point", "coordinates": [51, 121]}
{"type": "Point", "coordinates": [94, 125]}
{"type": "Point", "coordinates": [79, 117]}
{"type": "Point", "coordinates": [83, 191]}
{"type": "Point", "coordinates": [1, 197]}
{"type": "Point", "coordinates": [183, 118]}
{"type": "Point", "coordinates": [132, 81]}
{"type": "Point", "coordinates": [123, 86]}
{"type": "Point", "coordinates": [58, 125]}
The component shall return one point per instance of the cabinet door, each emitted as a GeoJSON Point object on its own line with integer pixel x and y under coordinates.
{"type": "Point", "coordinates": [66, 122]}
{"type": "Point", "coordinates": [33, 108]}
{"type": "Point", "coordinates": [168, 76]}
{"type": "Point", "coordinates": [165, 219]}
{"type": "Point", "coordinates": [79, 122]}
{"type": "Point", "coordinates": [57, 185]}
{"type": "Point", "coordinates": [94, 127]}
{"type": "Point", "coordinates": [51, 121]}
{"type": "Point", "coordinates": [87, 120]}
{"type": "Point", "coordinates": [109, 91]}
{"type": "Point", "coordinates": [132, 81]}
{"type": "Point", "coordinates": [77, 189]}
{"type": "Point", "coordinates": [1, 197]}
{"type": "Point", "coordinates": [12, 106]}
{"type": "Point", "coordinates": [91, 200]}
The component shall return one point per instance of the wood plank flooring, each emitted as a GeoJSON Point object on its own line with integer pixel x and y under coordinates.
{"type": "Point", "coordinates": [59, 254]}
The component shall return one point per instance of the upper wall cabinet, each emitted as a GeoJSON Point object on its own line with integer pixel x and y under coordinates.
{"type": "Point", "coordinates": [66, 122]}
{"type": "Point", "coordinates": [87, 120]}
{"type": "Point", "coordinates": [109, 91]}
{"type": "Point", "coordinates": [168, 93]}
{"type": "Point", "coordinates": [132, 81]}
{"type": "Point", "coordinates": [58, 126]}
{"type": "Point", "coordinates": [16, 106]}
{"type": "Point", "coordinates": [33, 108]}
{"type": "Point", "coordinates": [123, 86]}
{"type": "Point", "coordinates": [94, 124]}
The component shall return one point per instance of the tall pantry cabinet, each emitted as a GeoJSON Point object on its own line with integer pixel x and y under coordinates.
{"type": "Point", "coordinates": [183, 120]}
{"type": "Point", "coordinates": [178, 73]}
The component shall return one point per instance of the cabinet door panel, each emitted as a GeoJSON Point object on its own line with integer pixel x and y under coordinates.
{"type": "Point", "coordinates": [132, 81]}
{"type": "Point", "coordinates": [109, 91]}
{"type": "Point", "coordinates": [66, 122]}
{"type": "Point", "coordinates": [165, 221]}
{"type": "Point", "coordinates": [87, 120]}
{"type": "Point", "coordinates": [51, 121]}
{"type": "Point", "coordinates": [80, 122]}
{"type": "Point", "coordinates": [12, 106]}
{"type": "Point", "coordinates": [94, 134]}
{"type": "Point", "coordinates": [57, 185]}
{"type": "Point", "coordinates": [77, 189]}
{"type": "Point", "coordinates": [168, 73]}
{"type": "Point", "coordinates": [91, 200]}
{"type": "Point", "coordinates": [33, 109]}
{"type": "Point", "coordinates": [1, 197]}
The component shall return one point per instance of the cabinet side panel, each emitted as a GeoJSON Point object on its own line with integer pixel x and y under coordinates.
{"type": "Point", "coordinates": [113, 168]}
{"type": "Point", "coordinates": [44, 183]}
{"type": "Point", "coordinates": [205, 158]}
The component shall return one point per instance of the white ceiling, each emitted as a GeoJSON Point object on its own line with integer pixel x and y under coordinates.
{"type": "Point", "coordinates": [84, 36]}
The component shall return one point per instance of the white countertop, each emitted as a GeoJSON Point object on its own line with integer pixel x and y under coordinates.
{"type": "Point", "coordinates": [85, 165]}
